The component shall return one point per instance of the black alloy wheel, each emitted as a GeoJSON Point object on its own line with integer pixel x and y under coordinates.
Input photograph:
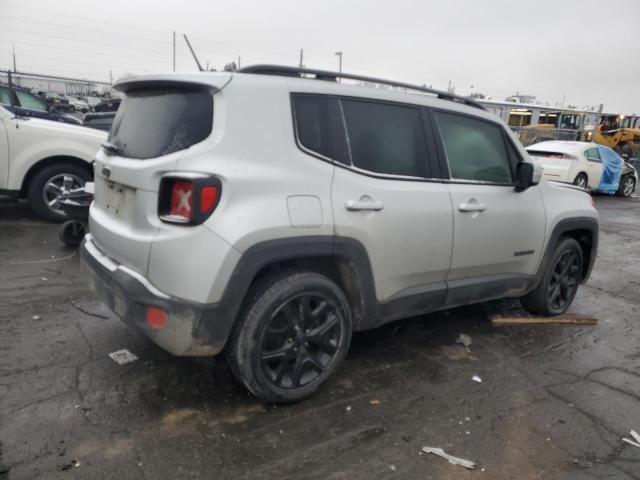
{"type": "Point", "coordinates": [294, 332]}
{"type": "Point", "coordinates": [564, 280]}
{"type": "Point", "coordinates": [300, 340]}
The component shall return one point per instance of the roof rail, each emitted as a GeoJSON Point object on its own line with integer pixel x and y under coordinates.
{"type": "Point", "coordinates": [283, 71]}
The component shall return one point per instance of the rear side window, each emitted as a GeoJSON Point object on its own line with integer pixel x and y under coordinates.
{"type": "Point", "coordinates": [386, 138]}
{"type": "Point", "coordinates": [319, 126]}
{"type": "Point", "coordinates": [29, 101]}
{"type": "Point", "coordinates": [157, 121]}
{"type": "Point", "coordinates": [5, 96]}
{"type": "Point", "coordinates": [592, 154]}
{"type": "Point", "coordinates": [475, 149]}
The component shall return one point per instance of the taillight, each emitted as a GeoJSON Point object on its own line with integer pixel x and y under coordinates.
{"type": "Point", "coordinates": [188, 198]}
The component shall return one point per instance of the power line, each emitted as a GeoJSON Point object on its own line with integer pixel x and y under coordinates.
{"type": "Point", "coordinates": [77, 27]}
{"type": "Point", "coordinates": [92, 19]}
{"type": "Point", "coordinates": [75, 40]}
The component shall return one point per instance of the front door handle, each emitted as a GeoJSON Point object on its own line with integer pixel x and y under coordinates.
{"type": "Point", "coordinates": [472, 207]}
{"type": "Point", "coordinates": [362, 205]}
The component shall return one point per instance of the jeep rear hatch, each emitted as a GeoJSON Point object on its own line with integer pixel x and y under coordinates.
{"type": "Point", "coordinates": [157, 123]}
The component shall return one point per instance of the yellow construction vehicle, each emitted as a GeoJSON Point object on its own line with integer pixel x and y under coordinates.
{"type": "Point", "coordinates": [620, 132]}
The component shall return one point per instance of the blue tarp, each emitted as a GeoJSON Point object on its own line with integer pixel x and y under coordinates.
{"type": "Point", "coordinates": [611, 169]}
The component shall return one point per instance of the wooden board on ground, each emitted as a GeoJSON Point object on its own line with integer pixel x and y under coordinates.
{"type": "Point", "coordinates": [564, 319]}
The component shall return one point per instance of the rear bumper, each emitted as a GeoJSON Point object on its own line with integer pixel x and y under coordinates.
{"type": "Point", "coordinates": [191, 329]}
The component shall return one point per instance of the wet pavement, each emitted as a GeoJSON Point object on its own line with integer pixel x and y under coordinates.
{"type": "Point", "coordinates": [554, 401]}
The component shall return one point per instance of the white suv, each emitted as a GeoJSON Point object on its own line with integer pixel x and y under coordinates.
{"type": "Point", "coordinates": [274, 211]}
{"type": "Point", "coordinates": [41, 160]}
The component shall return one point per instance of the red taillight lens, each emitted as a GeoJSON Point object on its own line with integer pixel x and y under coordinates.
{"type": "Point", "coordinates": [181, 199]}
{"type": "Point", "coordinates": [156, 318]}
{"type": "Point", "coordinates": [208, 198]}
{"type": "Point", "coordinates": [188, 198]}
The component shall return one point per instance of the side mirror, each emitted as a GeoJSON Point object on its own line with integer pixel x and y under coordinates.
{"type": "Point", "coordinates": [527, 175]}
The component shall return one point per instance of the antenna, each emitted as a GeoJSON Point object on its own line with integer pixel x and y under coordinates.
{"type": "Point", "coordinates": [192, 52]}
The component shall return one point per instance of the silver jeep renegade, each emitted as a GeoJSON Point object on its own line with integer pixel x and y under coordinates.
{"type": "Point", "coordinates": [270, 213]}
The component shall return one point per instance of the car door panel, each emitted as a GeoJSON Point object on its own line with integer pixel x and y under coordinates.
{"type": "Point", "coordinates": [498, 233]}
{"type": "Point", "coordinates": [408, 225]}
{"type": "Point", "coordinates": [406, 230]}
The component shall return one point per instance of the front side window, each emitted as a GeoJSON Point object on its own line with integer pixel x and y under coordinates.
{"type": "Point", "coordinates": [156, 121]}
{"type": "Point", "coordinates": [386, 138]}
{"type": "Point", "coordinates": [319, 126]}
{"type": "Point", "coordinates": [592, 154]}
{"type": "Point", "coordinates": [475, 149]}
{"type": "Point", "coordinates": [29, 101]}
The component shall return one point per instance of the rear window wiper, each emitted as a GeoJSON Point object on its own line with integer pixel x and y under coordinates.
{"type": "Point", "coordinates": [111, 148]}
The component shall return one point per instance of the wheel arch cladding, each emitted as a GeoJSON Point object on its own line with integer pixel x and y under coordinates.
{"type": "Point", "coordinates": [585, 231]}
{"type": "Point", "coordinates": [343, 260]}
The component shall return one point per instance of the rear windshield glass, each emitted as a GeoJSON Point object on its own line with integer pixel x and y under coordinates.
{"type": "Point", "coordinates": [157, 121]}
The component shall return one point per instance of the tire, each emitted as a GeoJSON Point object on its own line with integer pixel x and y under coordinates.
{"type": "Point", "coordinates": [280, 354]}
{"type": "Point", "coordinates": [581, 181]}
{"type": "Point", "coordinates": [54, 174]}
{"type": "Point", "coordinates": [627, 186]}
{"type": "Point", "coordinates": [71, 233]}
{"type": "Point", "coordinates": [558, 281]}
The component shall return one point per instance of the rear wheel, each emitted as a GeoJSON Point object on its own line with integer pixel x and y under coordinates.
{"type": "Point", "coordinates": [294, 333]}
{"type": "Point", "coordinates": [559, 283]}
{"type": "Point", "coordinates": [49, 185]}
{"type": "Point", "coordinates": [581, 181]}
{"type": "Point", "coordinates": [627, 186]}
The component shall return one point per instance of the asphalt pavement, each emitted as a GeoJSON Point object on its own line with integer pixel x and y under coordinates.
{"type": "Point", "coordinates": [555, 401]}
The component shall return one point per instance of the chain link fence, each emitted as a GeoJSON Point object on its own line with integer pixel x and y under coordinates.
{"type": "Point", "coordinates": [49, 83]}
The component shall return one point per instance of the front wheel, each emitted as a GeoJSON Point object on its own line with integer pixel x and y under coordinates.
{"type": "Point", "coordinates": [627, 186]}
{"type": "Point", "coordinates": [560, 281]}
{"type": "Point", "coordinates": [293, 335]}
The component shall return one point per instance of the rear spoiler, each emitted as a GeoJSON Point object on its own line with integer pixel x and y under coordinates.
{"type": "Point", "coordinates": [214, 82]}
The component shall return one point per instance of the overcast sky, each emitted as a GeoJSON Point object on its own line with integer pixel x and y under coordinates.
{"type": "Point", "coordinates": [583, 50]}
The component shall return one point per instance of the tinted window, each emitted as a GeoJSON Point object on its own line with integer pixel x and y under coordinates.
{"type": "Point", "coordinates": [592, 154]}
{"type": "Point", "coordinates": [386, 138]}
{"type": "Point", "coordinates": [475, 149]}
{"type": "Point", "coordinates": [5, 96]}
{"type": "Point", "coordinates": [157, 121]}
{"type": "Point", "coordinates": [319, 126]}
{"type": "Point", "coordinates": [29, 101]}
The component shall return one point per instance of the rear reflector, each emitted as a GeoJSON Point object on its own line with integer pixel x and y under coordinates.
{"type": "Point", "coordinates": [187, 198]}
{"type": "Point", "coordinates": [156, 318]}
{"type": "Point", "coordinates": [208, 198]}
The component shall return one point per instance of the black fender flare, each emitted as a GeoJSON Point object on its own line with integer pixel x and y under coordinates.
{"type": "Point", "coordinates": [280, 250]}
{"type": "Point", "coordinates": [562, 228]}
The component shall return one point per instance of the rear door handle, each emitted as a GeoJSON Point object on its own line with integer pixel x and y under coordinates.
{"type": "Point", "coordinates": [361, 205]}
{"type": "Point", "coordinates": [472, 207]}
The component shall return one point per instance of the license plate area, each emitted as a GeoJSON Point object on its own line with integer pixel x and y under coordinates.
{"type": "Point", "coordinates": [116, 199]}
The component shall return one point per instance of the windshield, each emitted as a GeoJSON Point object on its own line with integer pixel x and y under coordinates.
{"type": "Point", "coordinates": [160, 120]}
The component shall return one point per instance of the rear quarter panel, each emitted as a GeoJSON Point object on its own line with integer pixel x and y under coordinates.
{"type": "Point", "coordinates": [261, 169]}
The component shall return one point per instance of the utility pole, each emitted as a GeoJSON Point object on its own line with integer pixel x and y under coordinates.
{"type": "Point", "coordinates": [111, 77]}
{"type": "Point", "coordinates": [207, 65]}
{"type": "Point", "coordinates": [174, 50]}
{"type": "Point", "coordinates": [339, 54]}
{"type": "Point", "coordinates": [238, 62]}
{"type": "Point", "coordinates": [192, 52]}
{"type": "Point", "coordinates": [301, 58]}
{"type": "Point", "coordinates": [14, 59]}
